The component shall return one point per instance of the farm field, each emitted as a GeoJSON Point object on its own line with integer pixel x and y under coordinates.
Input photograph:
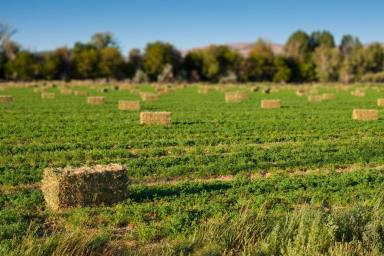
{"type": "Point", "coordinates": [223, 178]}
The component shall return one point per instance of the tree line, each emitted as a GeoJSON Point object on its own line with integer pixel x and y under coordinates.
{"type": "Point", "coordinates": [305, 58]}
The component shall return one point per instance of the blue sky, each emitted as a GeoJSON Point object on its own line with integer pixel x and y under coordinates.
{"type": "Point", "coordinates": [47, 24]}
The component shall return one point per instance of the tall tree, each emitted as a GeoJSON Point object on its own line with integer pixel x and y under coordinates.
{"type": "Point", "coordinates": [102, 40]}
{"type": "Point", "coordinates": [111, 63]}
{"type": "Point", "coordinates": [327, 61]}
{"type": "Point", "coordinates": [298, 46]}
{"type": "Point", "coordinates": [321, 39]}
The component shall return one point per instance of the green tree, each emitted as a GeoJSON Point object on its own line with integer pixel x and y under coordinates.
{"type": "Point", "coordinates": [327, 61]}
{"type": "Point", "coordinates": [86, 59]}
{"type": "Point", "coordinates": [321, 39]}
{"type": "Point", "coordinates": [298, 46]}
{"type": "Point", "coordinates": [157, 56]}
{"type": "Point", "coordinates": [193, 65]}
{"type": "Point", "coordinates": [102, 40]}
{"type": "Point", "coordinates": [24, 66]}
{"type": "Point", "coordinates": [348, 45]}
{"type": "Point", "coordinates": [283, 72]}
{"type": "Point", "coordinates": [111, 63]}
{"type": "Point", "coordinates": [58, 64]}
{"type": "Point", "coordinates": [374, 58]}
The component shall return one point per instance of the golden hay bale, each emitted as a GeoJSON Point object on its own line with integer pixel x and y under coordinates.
{"type": "Point", "coordinates": [315, 98]}
{"type": "Point", "coordinates": [85, 186]}
{"type": "Point", "coordinates": [270, 104]}
{"type": "Point", "coordinates": [5, 98]}
{"type": "Point", "coordinates": [358, 93]}
{"type": "Point", "coordinates": [301, 92]}
{"type": "Point", "coordinates": [161, 118]}
{"type": "Point", "coordinates": [129, 105]}
{"type": "Point", "coordinates": [80, 93]}
{"type": "Point", "coordinates": [235, 96]}
{"type": "Point", "coordinates": [328, 96]}
{"type": "Point", "coordinates": [204, 89]}
{"type": "Point", "coordinates": [365, 114]}
{"type": "Point", "coordinates": [103, 90]}
{"type": "Point", "coordinates": [96, 100]}
{"type": "Point", "coordinates": [380, 102]}
{"type": "Point", "coordinates": [48, 95]}
{"type": "Point", "coordinates": [65, 91]}
{"type": "Point", "coordinates": [148, 96]}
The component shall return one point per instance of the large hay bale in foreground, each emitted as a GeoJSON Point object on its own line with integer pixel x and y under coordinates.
{"type": "Point", "coordinates": [96, 100]}
{"type": "Point", "coordinates": [81, 93]}
{"type": "Point", "coordinates": [48, 95]}
{"type": "Point", "coordinates": [129, 105]}
{"type": "Point", "coordinates": [270, 104]}
{"type": "Point", "coordinates": [147, 96]}
{"type": "Point", "coordinates": [6, 98]}
{"type": "Point", "coordinates": [365, 114]}
{"type": "Point", "coordinates": [235, 96]}
{"type": "Point", "coordinates": [85, 186]}
{"type": "Point", "coordinates": [380, 102]}
{"type": "Point", "coordinates": [160, 118]}
{"type": "Point", "coordinates": [315, 98]}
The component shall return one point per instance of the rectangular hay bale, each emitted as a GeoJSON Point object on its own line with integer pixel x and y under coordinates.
{"type": "Point", "coordinates": [315, 98]}
{"type": "Point", "coordinates": [365, 114]}
{"type": "Point", "coordinates": [270, 104]}
{"type": "Point", "coordinates": [129, 105]}
{"type": "Point", "coordinates": [147, 96]}
{"type": "Point", "coordinates": [96, 100]}
{"type": "Point", "coordinates": [358, 93]}
{"type": "Point", "coordinates": [328, 96]}
{"type": "Point", "coordinates": [380, 102]}
{"type": "Point", "coordinates": [234, 97]}
{"type": "Point", "coordinates": [6, 98]}
{"type": "Point", "coordinates": [48, 95]}
{"type": "Point", "coordinates": [158, 118]}
{"type": "Point", "coordinates": [81, 93]}
{"type": "Point", "coordinates": [85, 186]}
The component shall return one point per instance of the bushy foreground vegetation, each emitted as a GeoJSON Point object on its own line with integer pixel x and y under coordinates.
{"type": "Point", "coordinates": [304, 179]}
{"type": "Point", "coordinates": [304, 58]}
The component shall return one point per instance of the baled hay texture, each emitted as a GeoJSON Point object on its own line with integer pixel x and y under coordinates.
{"type": "Point", "coordinates": [147, 96]}
{"type": "Point", "coordinates": [96, 100]}
{"type": "Point", "coordinates": [358, 93]}
{"type": "Point", "coordinates": [301, 92]}
{"type": "Point", "coordinates": [315, 98]}
{"type": "Point", "coordinates": [103, 90]}
{"type": "Point", "coordinates": [81, 93]}
{"type": "Point", "coordinates": [328, 96]}
{"type": "Point", "coordinates": [129, 105]}
{"type": "Point", "coordinates": [161, 118]}
{"type": "Point", "coordinates": [162, 90]}
{"type": "Point", "coordinates": [204, 89]}
{"type": "Point", "coordinates": [65, 91]}
{"type": "Point", "coordinates": [48, 95]}
{"type": "Point", "coordinates": [40, 89]}
{"type": "Point", "coordinates": [270, 104]}
{"type": "Point", "coordinates": [380, 102]}
{"type": "Point", "coordinates": [85, 186]}
{"type": "Point", "coordinates": [365, 114]}
{"type": "Point", "coordinates": [235, 96]}
{"type": "Point", "coordinates": [6, 98]}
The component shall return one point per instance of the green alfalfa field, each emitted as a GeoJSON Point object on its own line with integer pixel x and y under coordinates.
{"type": "Point", "coordinates": [223, 179]}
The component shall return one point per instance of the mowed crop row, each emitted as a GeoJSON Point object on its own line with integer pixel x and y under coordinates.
{"type": "Point", "coordinates": [207, 136]}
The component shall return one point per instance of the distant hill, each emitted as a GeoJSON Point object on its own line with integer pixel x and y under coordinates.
{"type": "Point", "coordinates": [245, 48]}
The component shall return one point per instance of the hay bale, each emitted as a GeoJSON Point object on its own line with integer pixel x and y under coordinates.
{"type": "Point", "coordinates": [301, 92]}
{"type": "Point", "coordinates": [160, 118]}
{"type": "Point", "coordinates": [96, 100]}
{"type": "Point", "coordinates": [103, 90]}
{"type": "Point", "coordinates": [235, 96]}
{"type": "Point", "coordinates": [270, 104]}
{"type": "Point", "coordinates": [129, 105]}
{"type": "Point", "coordinates": [315, 98]}
{"type": "Point", "coordinates": [204, 89]}
{"type": "Point", "coordinates": [365, 114]}
{"type": "Point", "coordinates": [80, 93]}
{"type": "Point", "coordinates": [65, 91]}
{"type": "Point", "coordinates": [148, 96]}
{"type": "Point", "coordinates": [5, 98]}
{"type": "Point", "coordinates": [48, 95]}
{"type": "Point", "coordinates": [85, 186]}
{"type": "Point", "coordinates": [267, 91]}
{"type": "Point", "coordinates": [380, 102]}
{"type": "Point", "coordinates": [328, 96]}
{"type": "Point", "coordinates": [358, 93]}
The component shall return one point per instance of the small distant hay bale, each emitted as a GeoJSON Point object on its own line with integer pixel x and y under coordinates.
{"type": "Point", "coordinates": [6, 98]}
{"type": "Point", "coordinates": [48, 95]}
{"type": "Point", "coordinates": [65, 91]}
{"type": "Point", "coordinates": [129, 105]}
{"type": "Point", "coordinates": [380, 102]}
{"type": "Point", "coordinates": [270, 104]}
{"type": "Point", "coordinates": [301, 92]}
{"type": "Point", "coordinates": [365, 114]}
{"type": "Point", "coordinates": [254, 88]}
{"type": "Point", "coordinates": [205, 89]}
{"type": "Point", "coordinates": [148, 96]}
{"type": "Point", "coordinates": [267, 90]}
{"type": "Point", "coordinates": [158, 118]}
{"type": "Point", "coordinates": [234, 97]}
{"type": "Point", "coordinates": [96, 100]}
{"type": "Point", "coordinates": [85, 186]}
{"type": "Point", "coordinates": [103, 90]}
{"type": "Point", "coordinates": [315, 98]}
{"type": "Point", "coordinates": [328, 96]}
{"type": "Point", "coordinates": [358, 93]}
{"type": "Point", "coordinates": [81, 93]}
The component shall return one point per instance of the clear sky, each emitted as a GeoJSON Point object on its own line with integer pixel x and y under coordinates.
{"type": "Point", "coordinates": [47, 24]}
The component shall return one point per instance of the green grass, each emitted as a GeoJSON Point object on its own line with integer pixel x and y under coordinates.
{"type": "Point", "coordinates": [208, 137]}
